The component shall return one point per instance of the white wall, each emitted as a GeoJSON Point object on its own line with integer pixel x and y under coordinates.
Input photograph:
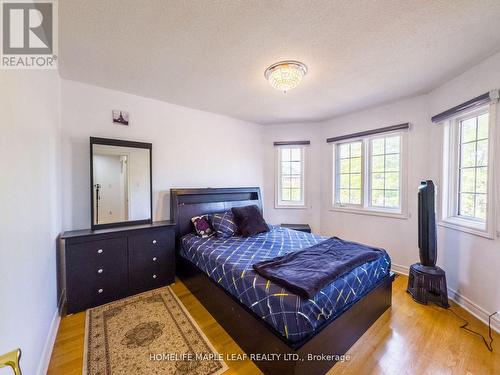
{"type": "Point", "coordinates": [293, 132]}
{"type": "Point", "coordinates": [191, 148]}
{"type": "Point", "coordinates": [30, 217]}
{"type": "Point", "coordinates": [471, 262]}
{"type": "Point", "coordinates": [397, 236]}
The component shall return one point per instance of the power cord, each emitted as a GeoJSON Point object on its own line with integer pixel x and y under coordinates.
{"type": "Point", "coordinates": [489, 345]}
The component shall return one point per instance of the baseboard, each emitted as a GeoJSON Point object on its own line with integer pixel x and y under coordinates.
{"type": "Point", "coordinates": [402, 270]}
{"type": "Point", "coordinates": [43, 365]}
{"type": "Point", "coordinates": [460, 300]}
{"type": "Point", "coordinates": [474, 309]}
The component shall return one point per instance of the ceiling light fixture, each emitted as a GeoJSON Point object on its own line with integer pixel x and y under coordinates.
{"type": "Point", "coordinates": [285, 75]}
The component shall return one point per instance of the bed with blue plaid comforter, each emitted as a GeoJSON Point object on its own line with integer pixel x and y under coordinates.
{"type": "Point", "coordinates": [228, 261]}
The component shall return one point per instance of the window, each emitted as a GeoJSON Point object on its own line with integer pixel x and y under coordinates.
{"type": "Point", "coordinates": [290, 177]}
{"type": "Point", "coordinates": [473, 167]}
{"type": "Point", "coordinates": [368, 174]}
{"type": "Point", "coordinates": [385, 172]}
{"type": "Point", "coordinates": [466, 173]}
{"type": "Point", "coordinates": [349, 166]}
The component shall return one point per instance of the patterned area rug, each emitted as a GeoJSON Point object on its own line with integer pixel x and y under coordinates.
{"type": "Point", "coordinates": [149, 333]}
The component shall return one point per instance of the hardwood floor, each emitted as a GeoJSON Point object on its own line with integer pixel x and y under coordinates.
{"type": "Point", "coordinates": [408, 339]}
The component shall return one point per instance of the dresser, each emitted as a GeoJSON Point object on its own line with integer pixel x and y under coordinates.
{"type": "Point", "coordinates": [96, 267]}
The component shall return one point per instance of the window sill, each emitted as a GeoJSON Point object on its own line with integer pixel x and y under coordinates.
{"type": "Point", "coordinates": [370, 212]}
{"type": "Point", "coordinates": [460, 225]}
{"type": "Point", "coordinates": [291, 206]}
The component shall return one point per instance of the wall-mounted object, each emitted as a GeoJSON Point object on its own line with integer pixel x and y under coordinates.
{"type": "Point", "coordinates": [120, 117]}
{"type": "Point", "coordinates": [120, 183]}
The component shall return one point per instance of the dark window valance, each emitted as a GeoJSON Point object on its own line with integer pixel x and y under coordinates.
{"type": "Point", "coordinates": [370, 132]}
{"type": "Point", "coordinates": [292, 143]}
{"type": "Point", "coordinates": [467, 106]}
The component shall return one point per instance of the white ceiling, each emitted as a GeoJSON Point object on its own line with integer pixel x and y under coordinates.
{"type": "Point", "coordinates": [211, 54]}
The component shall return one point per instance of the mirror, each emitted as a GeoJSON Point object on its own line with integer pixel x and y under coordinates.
{"type": "Point", "coordinates": [120, 180]}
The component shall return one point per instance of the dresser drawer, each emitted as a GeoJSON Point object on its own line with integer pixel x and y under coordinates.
{"type": "Point", "coordinates": [153, 240]}
{"type": "Point", "coordinates": [106, 265]}
{"type": "Point", "coordinates": [151, 260]}
{"type": "Point", "coordinates": [97, 272]}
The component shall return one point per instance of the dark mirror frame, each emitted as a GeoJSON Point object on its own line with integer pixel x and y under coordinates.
{"type": "Point", "coordinates": [119, 143]}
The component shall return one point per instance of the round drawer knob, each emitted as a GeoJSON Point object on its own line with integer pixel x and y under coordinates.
{"type": "Point", "coordinates": [99, 270]}
{"type": "Point", "coordinates": [99, 251]}
{"type": "Point", "coordinates": [154, 242]}
{"type": "Point", "coordinates": [100, 291]}
{"type": "Point", "coordinates": [154, 276]}
{"type": "Point", "coordinates": [154, 259]}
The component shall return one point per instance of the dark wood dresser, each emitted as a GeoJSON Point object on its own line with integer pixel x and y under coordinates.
{"type": "Point", "coordinates": [100, 266]}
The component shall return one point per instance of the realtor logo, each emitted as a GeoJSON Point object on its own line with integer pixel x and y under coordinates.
{"type": "Point", "coordinates": [28, 34]}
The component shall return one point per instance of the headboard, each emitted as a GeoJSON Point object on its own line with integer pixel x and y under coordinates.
{"type": "Point", "coordinates": [186, 203]}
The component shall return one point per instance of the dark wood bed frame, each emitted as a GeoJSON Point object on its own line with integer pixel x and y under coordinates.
{"type": "Point", "coordinates": [251, 333]}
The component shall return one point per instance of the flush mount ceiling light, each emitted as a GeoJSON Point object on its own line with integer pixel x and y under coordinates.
{"type": "Point", "coordinates": [285, 75]}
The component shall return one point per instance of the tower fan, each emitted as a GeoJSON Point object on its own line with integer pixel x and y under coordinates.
{"type": "Point", "coordinates": [427, 282]}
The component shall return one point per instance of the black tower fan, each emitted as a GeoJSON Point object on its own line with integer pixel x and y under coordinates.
{"type": "Point", "coordinates": [427, 282]}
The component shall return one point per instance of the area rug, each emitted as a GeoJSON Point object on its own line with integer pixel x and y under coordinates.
{"type": "Point", "coordinates": [149, 333]}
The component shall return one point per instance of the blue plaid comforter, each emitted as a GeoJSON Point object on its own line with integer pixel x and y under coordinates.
{"type": "Point", "coordinates": [228, 261]}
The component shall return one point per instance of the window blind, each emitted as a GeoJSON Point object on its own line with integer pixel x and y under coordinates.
{"type": "Point", "coordinates": [369, 132]}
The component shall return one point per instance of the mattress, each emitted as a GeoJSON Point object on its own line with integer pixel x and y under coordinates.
{"type": "Point", "coordinates": [228, 261]}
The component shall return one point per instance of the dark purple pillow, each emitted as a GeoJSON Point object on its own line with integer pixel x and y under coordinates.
{"type": "Point", "coordinates": [202, 226]}
{"type": "Point", "coordinates": [249, 220]}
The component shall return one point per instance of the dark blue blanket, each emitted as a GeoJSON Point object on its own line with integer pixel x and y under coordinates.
{"type": "Point", "coordinates": [307, 271]}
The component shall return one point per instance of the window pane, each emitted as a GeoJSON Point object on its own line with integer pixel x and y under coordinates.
{"type": "Point", "coordinates": [285, 154]}
{"type": "Point", "coordinates": [295, 154]}
{"type": "Point", "coordinates": [473, 172]}
{"type": "Point", "coordinates": [378, 163]}
{"type": "Point", "coordinates": [392, 162]}
{"type": "Point", "coordinates": [378, 146]}
{"type": "Point", "coordinates": [482, 126]}
{"type": "Point", "coordinates": [344, 196]}
{"type": "Point", "coordinates": [295, 167]}
{"type": "Point", "coordinates": [482, 153]}
{"type": "Point", "coordinates": [291, 175]}
{"type": "Point", "coordinates": [378, 198]}
{"type": "Point", "coordinates": [466, 204]}
{"type": "Point", "coordinates": [344, 181]}
{"type": "Point", "coordinates": [385, 164]}
{"type": "Point", "coordinates": [468, 155]}
{"type": "Point", "coordinates": [295, 182]}
{"type": "Point", "coordinates": [355, 149]}
{"type": "Point", "coordinates": [392, 145]}
{"type": "Point", "coordinates": [482, 180]}
{"type": "Point", "coordinates": [286, 182]}
{"type": "Point", "coordinates": [285, 194]}
{"type": "Point", "coordinates": [392, 198]}
{"type": "Point", "coordinates": [480, 212]}
{"type": "Point", "coordinates": [285, 167]}
{"type": "Point", "coordinates": [468, 130]}
{"type": "Point", "coordinates": [356, 181]}
{"type": "Point", "coordinates": [468, 180]}
{"type": "Point", "coordinates": [344, 166]}
{"type": "Point", "coordinates": [344, 151]}
{"type": "Point", "coordinates": [356, 165]}
{"type": "Point", "coordinates": [295, 195]}
{"type": "Point", "coordinates": [355, 196]}
{"type": "Point", "coordinates": [392, 180]}
{"type": "Point", "coordinates": [377, 180]}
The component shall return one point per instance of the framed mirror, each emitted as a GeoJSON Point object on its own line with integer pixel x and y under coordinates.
{"type": "Point", "coordinates": [120, 183]}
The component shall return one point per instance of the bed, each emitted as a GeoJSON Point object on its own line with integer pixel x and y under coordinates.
{"type": "Point", "coordinates": [261, 316]}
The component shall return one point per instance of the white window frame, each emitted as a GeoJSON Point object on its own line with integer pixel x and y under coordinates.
{"type": "Point", "coordinates": [336, 184]}
{"type": "Point", "coordinates": [365, 207]}
{"type": "Point", "coordinates": [278, 202]}
{"type": "Point", "coordinates": [450, 161]}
